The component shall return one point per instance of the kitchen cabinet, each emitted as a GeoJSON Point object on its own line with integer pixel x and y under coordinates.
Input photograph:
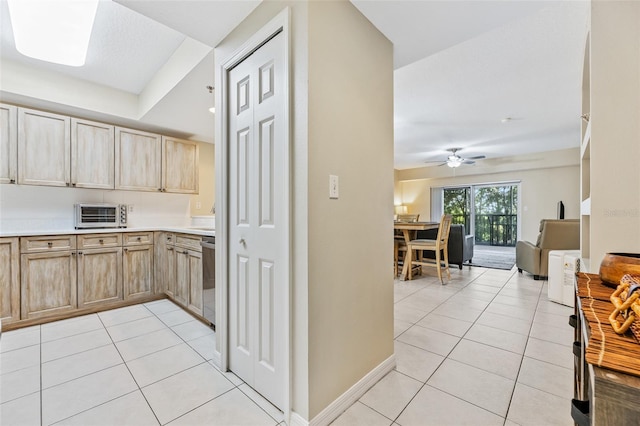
{"type": "Point", "coordinates": [137, 265]}
{"type": "Point", "coordinates": [8, 143]}
{"type": "Point", "coordinates": [138, 160]}
{"type": "Point", "coordinates": [44, 146]}
{"type": "Point", "coordinates": [99, 269]}
{"type": "Point", "coordinates": [164, 263]}
{"type": "Point", "coordinates": [179, 260]}
{"type": "Point", "coordinates": [48, 268]}
{"type": "Point", "coordinates": [92, 154]}
{"type": "Point", "coordinates": [188, 279]}
{"type": "Point", "coordinates": [9, 280]}
{"type": "Point", "coordinates": [179, 166]}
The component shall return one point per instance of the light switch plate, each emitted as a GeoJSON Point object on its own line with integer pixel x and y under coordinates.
{"type": "Point", "coordinates": [333, 187]}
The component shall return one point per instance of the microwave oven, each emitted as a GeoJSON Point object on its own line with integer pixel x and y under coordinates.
{"type": "Point", "coordinates": [88, 216]}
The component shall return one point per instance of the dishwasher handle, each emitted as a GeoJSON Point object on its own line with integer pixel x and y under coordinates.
{"type": "Point", "coordinates": [208, 245]}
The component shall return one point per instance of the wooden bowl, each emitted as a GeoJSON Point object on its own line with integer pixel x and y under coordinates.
{"type": "Point", "coordinates": [615, 265]}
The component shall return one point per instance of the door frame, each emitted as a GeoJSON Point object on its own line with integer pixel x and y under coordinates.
{"type": "Point", "coordinates": [279, 24]}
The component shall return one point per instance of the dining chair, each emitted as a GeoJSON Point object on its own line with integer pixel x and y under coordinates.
{"type": "Point", "coordinates": [399, 244]}
{"type": "Point", "coordinates": [439, 246]}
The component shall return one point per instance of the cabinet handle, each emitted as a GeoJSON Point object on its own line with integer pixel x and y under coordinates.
{"type": "Point", "coordinates": [159, 189]}
{"type": "Point", "coordinates": [169, 248]}
{"type": "Point", "coordinates": [68, 184]}
{"type": "Point", "coordinates": [50, 244]}
{"type": "Point", "coordinates": [185, 252]}
{"type": "Point", "coordinates": [139, 238]}
{"type": "Point", "coordinates": [73, 184]}
{"type": "Point", "coordinates": [80, 253]}
{"type": "Point", "coordinates": [126, 249]}
{"type": "Point", "coordinates": [101, 241]}
{"type": "Point", "coordinates": [12, 181]}
{"type": "Point", "coordinates": [73, 253]}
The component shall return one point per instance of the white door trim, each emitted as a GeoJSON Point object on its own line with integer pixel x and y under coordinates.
{"type": "Point", "coordinates": [279, 24]}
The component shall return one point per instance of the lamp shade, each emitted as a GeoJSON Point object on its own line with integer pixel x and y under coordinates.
{"type": "Point", "coordinates": [401, 209]}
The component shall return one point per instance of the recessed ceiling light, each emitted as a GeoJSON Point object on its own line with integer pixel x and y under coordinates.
{"type": "Point", "coordinates": [55, 31]}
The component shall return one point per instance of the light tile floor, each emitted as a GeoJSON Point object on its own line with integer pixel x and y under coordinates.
{"type": "Point", "coordinates": [486, 348]}
{"type": "Point", "coordinates": [145, 364]}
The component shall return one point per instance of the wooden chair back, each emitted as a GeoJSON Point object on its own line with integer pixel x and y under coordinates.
{"type": "Point", "coordinates": [411, 218]}
{"type": "Point", "coordinates": [444, 229]}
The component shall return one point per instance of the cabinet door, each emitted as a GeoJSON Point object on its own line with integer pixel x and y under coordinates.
{"type": "Point", "coordinates": [138, 160]}
{"type": "Point", "coordinates": [48, 284]}
{"type": "Point", "coordinates": [195, 282]}
{"type": "Point", "coordinates": [180, 166]}
{"type": "Point", "coordinates": [99, 276]}
{"type": "Point", "coordinates": [44, 146]}
{"type": "Point", "coordinates": [8, 143]}
{"type": "Point", "coordinates": [182, 278]}
{"type": "Point", "coordinates": [92, 155]}
{"type": "Point", "coordinates": [137, 271]}
{"type": "Point", "coordinates": [9, 280]}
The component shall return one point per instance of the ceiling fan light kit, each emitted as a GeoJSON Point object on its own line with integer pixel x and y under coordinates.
{"type": "Point", "coordinates": [454, 160]}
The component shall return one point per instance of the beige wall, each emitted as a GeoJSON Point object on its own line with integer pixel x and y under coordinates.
{"type": "Point", "coordinates": [615, 129]}
{"type": "Point", "coordinates": [350, 135]}
{"type": "Point", "coordinates": [541, 188]}
{"type": "Point", "coordinates": [206, 195]}
{"type": "Point", "coordinates": [342, 106]}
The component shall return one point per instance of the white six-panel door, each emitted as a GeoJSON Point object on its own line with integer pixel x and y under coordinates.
{"type": "Point", "coordinates": [257, 267]}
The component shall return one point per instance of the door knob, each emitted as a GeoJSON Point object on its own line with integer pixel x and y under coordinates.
{"type": "Point", "coordinates": [241, 241]}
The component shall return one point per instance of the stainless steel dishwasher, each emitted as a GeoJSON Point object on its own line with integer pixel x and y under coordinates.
{"type": "Point", "coordinates": [209, 279]}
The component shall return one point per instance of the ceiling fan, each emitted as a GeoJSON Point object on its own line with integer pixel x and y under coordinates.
{"type": "Point", "coordinates": [454, 160]}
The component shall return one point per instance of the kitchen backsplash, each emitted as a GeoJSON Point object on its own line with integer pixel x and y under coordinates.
{"type": "Point", "coordinates": [39, 208]}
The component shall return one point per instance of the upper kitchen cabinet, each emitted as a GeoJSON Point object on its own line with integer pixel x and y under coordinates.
{"type": "Point", "coordinates": [44, 146]}
{"type": "Point", "coordinates": [138, 160]}
{"type": "Point", "coordinates": [8, 143]}
{"type": "Point", "coordinates": [179, 166]}
{"type": "Point", "coordinates": [92, 154]}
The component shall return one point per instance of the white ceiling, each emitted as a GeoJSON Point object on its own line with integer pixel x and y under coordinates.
{"type": "Point", "coordinates": [461, 66]}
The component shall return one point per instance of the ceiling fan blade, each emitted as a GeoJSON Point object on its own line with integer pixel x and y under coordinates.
{"type": "Point", "coordinates": [477, 157]}
{"type": "Point", "coordinates": [468, 162]}
{"type": "Point", "coordinates": [434, 161]}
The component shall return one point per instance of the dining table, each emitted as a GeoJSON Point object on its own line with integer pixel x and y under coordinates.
{"type": "Point", "coordinates": [409, 231]}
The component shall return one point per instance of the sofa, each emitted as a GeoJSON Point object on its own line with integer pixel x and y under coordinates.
{"type": "Point", "coordinates": [460, 246]}
{"type": "Point", "coordinates": [554, 234]}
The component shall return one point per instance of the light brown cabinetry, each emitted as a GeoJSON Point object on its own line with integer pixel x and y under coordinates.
{"type": "Point", "coordinates": [48, 276]}
{"type": "Point", "coordinates": [9, 280]}
{"type": "Point", "coordinates": [179, 260]}
{"type": "Point", "coordinates": [99, 269]}
{"type": "Point", "coordinates": [92, 154]}
{"type": "Point", "coordinates": [8, 143]}
{"type": "Point", "coordinates": [138, 160]}
{"type": "Point", "coordinates": [179, 166]}
{"type": "Point", "coordinates": [188, 289]}
{"type": "Point", "coordinates": [137, 265]}
{"type": "Point", "coordinates": [44, 146]}
{"type": "Point", "coordinates": [164, 262]}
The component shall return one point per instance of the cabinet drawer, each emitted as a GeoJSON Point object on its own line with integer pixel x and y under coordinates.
{"type": "Point", "coordinates": [47, 243]}
{"type": "Point", "coordinates": [189, 241]}
{"type": "Point", "coordinates": [99, 240]}
{"type": "Point", "coordinates": [137, 238]}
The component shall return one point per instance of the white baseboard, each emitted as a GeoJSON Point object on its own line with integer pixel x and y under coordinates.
{"type": "Point", "coordinates": [347, 399]}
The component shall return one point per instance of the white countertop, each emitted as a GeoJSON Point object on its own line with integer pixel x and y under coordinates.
{"type": "Point", "coordinates": [207, 232]}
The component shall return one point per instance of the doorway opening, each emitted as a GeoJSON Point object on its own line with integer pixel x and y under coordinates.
{"type": "Point", "coordinates": [489, 212]}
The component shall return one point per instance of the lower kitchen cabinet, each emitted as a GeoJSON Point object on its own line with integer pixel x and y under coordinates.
{"type": "Point", "coordinates": [9, 280]}
{"type": "Point", "coordinates": [183, 260]}
{"type": "Point", "coordinates": [99, 276]}
{"type": "Point", "coordinates": [137, 271]}
{"type": "Point", "coordinates": [189, 279]}
{"type": "Point", "coordinates": [48, 283]}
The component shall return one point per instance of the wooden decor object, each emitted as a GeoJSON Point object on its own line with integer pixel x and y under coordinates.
{"type": "Point", "coordinates": [616, 265]}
